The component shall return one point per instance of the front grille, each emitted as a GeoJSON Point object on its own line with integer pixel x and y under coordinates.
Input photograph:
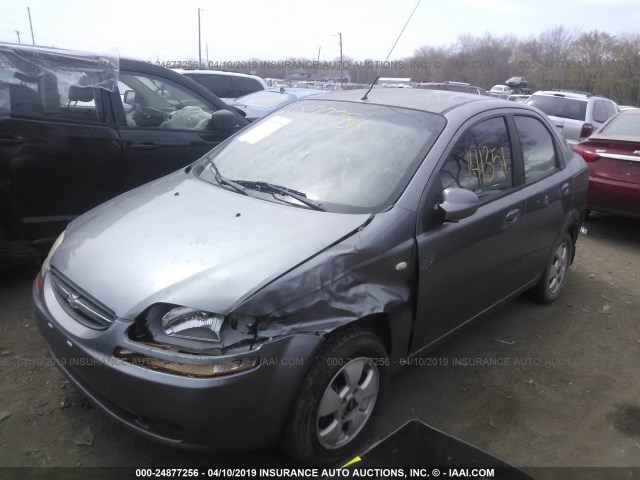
{"type": "Point", "coordinates": [84, 309]}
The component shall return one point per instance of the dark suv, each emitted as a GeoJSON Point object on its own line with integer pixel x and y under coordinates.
{"type": "Point", "coordinates": [78, 129]}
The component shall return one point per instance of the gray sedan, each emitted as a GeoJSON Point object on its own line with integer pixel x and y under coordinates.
{"type": "Point", "coordinates": [266, 292]}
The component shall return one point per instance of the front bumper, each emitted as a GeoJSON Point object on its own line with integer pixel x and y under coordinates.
{"type": "Point", "coordinates": [215, 413]}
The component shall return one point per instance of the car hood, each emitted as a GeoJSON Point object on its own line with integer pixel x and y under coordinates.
{"type": "Point", "coordinates": [183, 241]}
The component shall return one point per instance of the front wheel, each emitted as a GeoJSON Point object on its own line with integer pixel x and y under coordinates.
{"type": "Point", "coordinates": [337, 399]}
{"type": "Point", "coordinates": [553, 279]}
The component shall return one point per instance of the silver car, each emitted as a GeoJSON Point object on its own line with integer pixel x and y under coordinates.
{"type": "Point", "coordinates": [576, 114]}
{"type": "Point", "coordinates": [266, 292]}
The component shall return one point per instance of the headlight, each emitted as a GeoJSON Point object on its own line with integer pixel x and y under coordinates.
{"type": "Point", "coordinates": [193, 324]}
{"type": "Point", "coordinates": [192, 330]}
{"type": "Point", "coordinates": [46, 265]}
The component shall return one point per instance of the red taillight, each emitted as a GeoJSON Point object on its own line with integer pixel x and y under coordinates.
{"type": "Point", "coordinates": [584, 152]}
{"type": "Point", "coordinates": [586, 131]}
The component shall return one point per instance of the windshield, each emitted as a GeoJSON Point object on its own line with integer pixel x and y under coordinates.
{"type": "Point", "coordinates": [562, 107]}
{"type": "Point", "coordinates": [623, 125]}
{"type": "Point", "coordinates": [349, 157]}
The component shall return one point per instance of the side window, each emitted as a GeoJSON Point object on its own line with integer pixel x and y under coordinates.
{"type": "Point", "coordinates": [52, 98]}
{"type": "Point", "coordinates": [538, 152]}
{"type": "Point", "coordinates": [611, 109]}
{"type": "Point", "coordinates": [245, 86]}
{"type": "Point", "coordinates": [480, 161]}
{"type": "Point", "coordinates": [219, 85]}
{"type": "Point", "coordinates": [154, 102]}
{"type": "Point", "coordinates": [599, 111]}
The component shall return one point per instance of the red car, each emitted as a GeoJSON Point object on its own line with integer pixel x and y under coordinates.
{"type": "Point", "coordinates": [613, 157]}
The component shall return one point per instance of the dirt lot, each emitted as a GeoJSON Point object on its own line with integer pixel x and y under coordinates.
{"type": "Point", "coordinates": [562, 389]}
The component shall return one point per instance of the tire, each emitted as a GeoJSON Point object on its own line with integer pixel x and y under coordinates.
{"type": "Point", "coordinates": [554, 277]}
{"type": "Point", "coordinates": [337, 399]}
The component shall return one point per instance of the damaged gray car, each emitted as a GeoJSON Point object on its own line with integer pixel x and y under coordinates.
{"type": "Point", "coordinates": [264, 293]}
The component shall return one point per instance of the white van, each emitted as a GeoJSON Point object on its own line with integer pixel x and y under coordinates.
{"type": "Point", "coordinates": [225, 85]}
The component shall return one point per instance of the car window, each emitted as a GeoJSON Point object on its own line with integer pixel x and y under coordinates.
{"type": "Point", "coordinates": [151, 101]}
{"type": "Point", "coordinates": [599, 111]}
{"type": "Point", "coordinates": [480, 161]}
{"type": "Point", "coordinates": [538, 152]}
{"type": "Point", "coordinates": [611, 109]}
{"type": "Point", "coordinates": [562, 107]}
{"type": "Point", "coordinates": [623, 125]}
{"type": "Point", "coordinates": [245, 86]}
{"type": "Point", "coordinates": [219, 85]}
{"type": "Point", "coordinates": [47, 96]}
{"type": "Point", "coordinates": [351, 157]}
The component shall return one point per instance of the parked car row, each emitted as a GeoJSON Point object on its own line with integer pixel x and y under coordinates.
{"type": "Point", "coordinates": [338, 231]}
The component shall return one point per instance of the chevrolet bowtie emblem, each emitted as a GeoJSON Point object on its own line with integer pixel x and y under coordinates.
{"type": "Point", "coordinates": [72, 300]}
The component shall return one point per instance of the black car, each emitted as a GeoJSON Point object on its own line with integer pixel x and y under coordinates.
{"type": "Point", "coordinates": [77, 129]}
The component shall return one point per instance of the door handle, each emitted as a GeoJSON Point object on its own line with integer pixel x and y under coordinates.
{"type": "Point", "coordinates": [10, 140]}
{"type": "Point", "coordinates": [565, 189]}
{"type": "Point", "coordinates": [512, 216]}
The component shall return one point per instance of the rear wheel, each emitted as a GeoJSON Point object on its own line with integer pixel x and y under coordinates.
{"type": "Point", "coordinates": [337, 399]}
{"type": "Point", "coordinates": [553, 279]}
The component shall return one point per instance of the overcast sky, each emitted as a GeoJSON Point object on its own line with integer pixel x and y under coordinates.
{"type": "Point", "coordinates": [278, 29]}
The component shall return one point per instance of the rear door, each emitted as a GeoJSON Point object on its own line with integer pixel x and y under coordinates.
{"type": "Point", "coordinates": [163, 124]}
{"type": "Point", "coordinates": [59, 150]}
{"type": "Point", "coordinates": [548, 194]}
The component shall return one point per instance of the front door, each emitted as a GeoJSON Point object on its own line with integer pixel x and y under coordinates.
{"type": "Point", "coordinates": [469, 266]}
{"type": "Point", "coordinates": [163, 126]}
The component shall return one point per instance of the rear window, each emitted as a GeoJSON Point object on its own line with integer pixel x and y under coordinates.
{"type": "Point", "coordinates": [227, 86]}
{"type": "Point", "coordinates": [623, 125]}
{"type": "Point", "coordinates": [245, 86]}
{"type": "Point", "coordinates": [219, 85]}
{"type": "Point", "coordinates": [558, 106]}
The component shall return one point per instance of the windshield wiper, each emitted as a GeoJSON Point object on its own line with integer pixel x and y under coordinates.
{"type": "Point", "coordinates": [266, 187]}
{"type": "Point", "coordinates": [226, 181]}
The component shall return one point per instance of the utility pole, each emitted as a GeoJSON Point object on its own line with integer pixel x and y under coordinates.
{"type": "Point", "coordinates": [18, 33]}
{"type": "Point", "coordinates": [31, 26]}
{"type": "Point", "coordinates": [318, 69]}
{"type": "Point", "coordinates": [199, 43]}
{"type": "Point", "coordinates": [207, 48]}
{"type": "Point", "coordinates": [340, 34]}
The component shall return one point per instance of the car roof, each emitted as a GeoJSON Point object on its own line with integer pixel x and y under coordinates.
{"type": "Point", "coordinates": [212, 72]}
{"type": "Point", "coordinates": [564, 93]}
{"type": "Point", "coordinates": [433, 101]}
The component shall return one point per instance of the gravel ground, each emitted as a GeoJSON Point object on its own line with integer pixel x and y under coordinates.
{"type": "Point", "coordinates": [538, 386]}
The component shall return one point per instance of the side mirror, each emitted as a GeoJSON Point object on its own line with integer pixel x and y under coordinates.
{"type": "Point", "coordinates": [457, 203]}
{"type": "Point", "coordinates": [130, 97]}
{"type": "Point", "coordinates": [222, 121]}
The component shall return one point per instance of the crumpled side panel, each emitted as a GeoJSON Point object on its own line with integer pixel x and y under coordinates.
{"type": "Point", "coordinates": [370, 272]}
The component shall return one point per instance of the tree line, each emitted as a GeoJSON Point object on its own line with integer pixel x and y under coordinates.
{"type": "Point", "coordinates": [592, 61]}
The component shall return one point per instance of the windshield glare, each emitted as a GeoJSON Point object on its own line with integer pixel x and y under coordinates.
{"type": "Point", "coordinates": [351, 157]}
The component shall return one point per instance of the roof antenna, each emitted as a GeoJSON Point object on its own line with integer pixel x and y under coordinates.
{"type": "Point", "coordinates": [391, 51]}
